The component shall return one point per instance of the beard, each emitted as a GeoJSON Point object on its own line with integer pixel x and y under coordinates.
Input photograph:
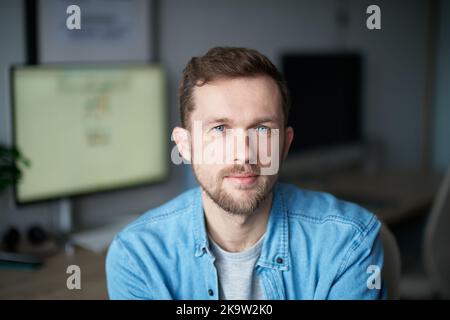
{"type": "Point", "coordinates": [244, 205]}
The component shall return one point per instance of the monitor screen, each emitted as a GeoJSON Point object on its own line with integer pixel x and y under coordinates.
{"type": "Point", "coordinates": [89, 128]}
{"type": "Point", "coordinates": [325, 95]}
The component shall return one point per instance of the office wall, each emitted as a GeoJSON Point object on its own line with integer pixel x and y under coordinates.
{"type": "Point", "coordinates": [441, 133]}
{"type": "Point", "coordinates": [394, 82]}
{"type": "Point", "coordinates": [395, 79]}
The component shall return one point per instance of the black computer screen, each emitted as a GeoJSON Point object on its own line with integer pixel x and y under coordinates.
{"type": "Point", "coordinates": [325, 91]}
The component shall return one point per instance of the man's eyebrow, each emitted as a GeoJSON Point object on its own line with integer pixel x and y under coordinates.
{"type": "Point", "coordinates": [216, 120]}
{"type": "Point", "coordinates": [227, 120]}
{"type": "Point", "coordinates": [265, 119]}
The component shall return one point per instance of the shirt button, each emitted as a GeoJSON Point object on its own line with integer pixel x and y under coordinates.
{"type": "Point", "coordinates": [279, 260]}
{"type": "Point", "coordinates": [210, 292]}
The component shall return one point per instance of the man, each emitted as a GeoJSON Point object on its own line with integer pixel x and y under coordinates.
{"type": "Point", "coordinates": [242, 234]}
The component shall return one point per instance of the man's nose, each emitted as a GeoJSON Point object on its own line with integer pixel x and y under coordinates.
{"type": "Point", "coordinates": [243, 148]}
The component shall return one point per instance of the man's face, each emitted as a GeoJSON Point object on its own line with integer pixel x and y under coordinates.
{"type": "Point", "coordinates": [226, 111]}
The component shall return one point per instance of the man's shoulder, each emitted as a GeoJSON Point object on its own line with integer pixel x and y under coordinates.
{"type": "Point", "coordinates": [318, 208]}
{"type": "Point", "coordinates": [170, 214]}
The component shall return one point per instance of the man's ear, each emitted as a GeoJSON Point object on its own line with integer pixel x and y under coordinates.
{"type": "Point", "coordinates": [289, 136]}
{"type": "Point", "coordinates": [182, 138]}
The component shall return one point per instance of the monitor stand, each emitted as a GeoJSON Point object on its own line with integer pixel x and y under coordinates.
{"type": "Point", "coordinates": [63, 223]}
{"type": "Point", "coordinates": [64, 217]}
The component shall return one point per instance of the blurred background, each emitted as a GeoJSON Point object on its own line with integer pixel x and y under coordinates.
{"type": "Point", "coordinates": [86, 116]}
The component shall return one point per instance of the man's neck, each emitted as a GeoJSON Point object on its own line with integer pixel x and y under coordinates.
{"type": "Point", "coordinates": [235, 233]}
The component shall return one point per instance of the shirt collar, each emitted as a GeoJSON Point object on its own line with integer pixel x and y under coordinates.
{"type": "Point", "coordinates": [275, 249]}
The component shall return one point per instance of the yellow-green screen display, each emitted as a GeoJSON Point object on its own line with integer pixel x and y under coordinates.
{"type": "Point", "coordinates": [87, 129]}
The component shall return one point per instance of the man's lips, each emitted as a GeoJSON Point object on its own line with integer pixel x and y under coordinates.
{"type": "Point", "coordinates": [242, 175]}
{"type": "Point", "coordinates": [243, 178]}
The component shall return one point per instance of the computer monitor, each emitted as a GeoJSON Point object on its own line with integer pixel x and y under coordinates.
{"type": "Point", "coordinates": [89, 128]}
{"type": "Point", "coordinates": [325, 91]}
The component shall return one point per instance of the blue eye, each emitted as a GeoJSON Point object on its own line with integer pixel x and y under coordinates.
{"type": "Point", "coordinates": [219, 129]}
{"type": "Point", "coordinates": [262, 129]}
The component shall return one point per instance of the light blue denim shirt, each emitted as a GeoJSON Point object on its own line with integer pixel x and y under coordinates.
{"type": "Point", "coordinates": [315, 247]}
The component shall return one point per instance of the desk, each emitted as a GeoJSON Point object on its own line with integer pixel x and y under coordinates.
{"type": "Point", "coordinates": [49, 281]}
{"type": "Point", "coordinates": [393, 196]}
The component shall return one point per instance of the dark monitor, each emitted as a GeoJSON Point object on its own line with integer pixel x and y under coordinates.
{"type": "Point", "coordinates": [326, 91]}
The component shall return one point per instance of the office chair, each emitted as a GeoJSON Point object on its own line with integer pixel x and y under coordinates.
{"type": "Point", "coordinates": [435, 282]}
{"type": "Point", "coordinates": [392, 262]}
{"type": "Point", "coordinates": [436, 245]}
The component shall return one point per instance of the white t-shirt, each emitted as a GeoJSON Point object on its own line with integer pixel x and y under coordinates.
{"type": "Point", "coordinates": [236, 272]}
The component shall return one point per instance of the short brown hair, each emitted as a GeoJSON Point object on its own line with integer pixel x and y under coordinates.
{"type": "Point", "coordinates": [226, 62]}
